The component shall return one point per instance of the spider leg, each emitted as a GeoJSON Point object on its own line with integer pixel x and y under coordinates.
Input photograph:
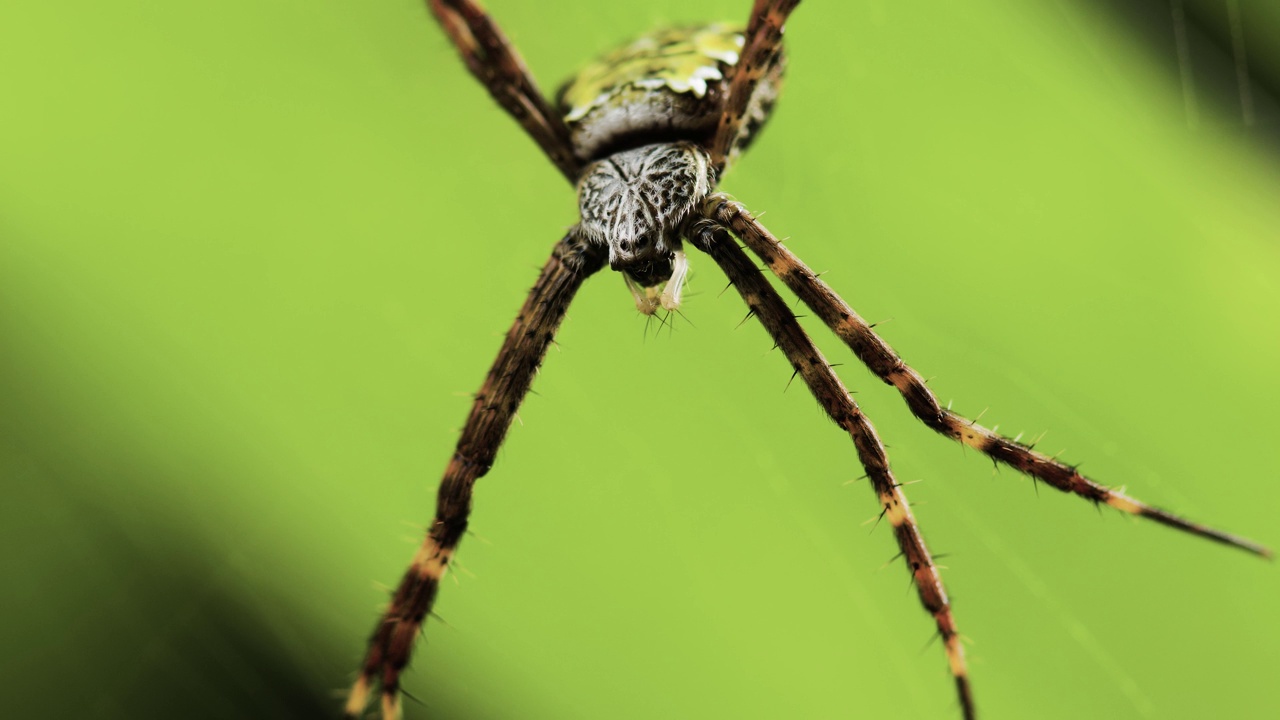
{"type": "Point", "coordinates": [777, 318]}
{"type": "Point", "coordinates": [495, 63]}
{"type": "Point", "coordinates": [876, 354]}
{"type": "Point", "coordinates": [572, 262]}
{"type": "Point", "coordinates": [763, 40]}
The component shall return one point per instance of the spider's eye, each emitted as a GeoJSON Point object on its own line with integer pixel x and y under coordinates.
{"type": "Point", "coordinates": [624, 245]}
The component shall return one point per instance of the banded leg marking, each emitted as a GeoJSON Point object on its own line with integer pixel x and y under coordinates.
{"type": "Point", "coordinates": [506, 385]}
{"type": "Point", "coordinates": [881, 359]}
{"type": "Point", "coordinates": [763, 39]}
{"type": "Point", "coordinates": [781, 323]}
{"type": "Point", "coordinates": [493, 60]}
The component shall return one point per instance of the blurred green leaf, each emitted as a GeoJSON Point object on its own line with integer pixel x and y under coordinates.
{"type": "Point", "coordinates": [253, 257]}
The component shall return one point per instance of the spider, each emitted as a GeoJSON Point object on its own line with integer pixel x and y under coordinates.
{"type": "Point", "coordinates": [644, 134]}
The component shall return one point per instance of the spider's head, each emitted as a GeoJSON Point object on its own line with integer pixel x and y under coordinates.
{"type": "Point", "coordinates": [637, 202]}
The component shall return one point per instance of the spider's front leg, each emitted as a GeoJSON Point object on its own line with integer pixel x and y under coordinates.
{"type": "Point", "coordinates": [508, 381]}
{"type": "Point", "coordinates": [881, 359]}
{"type": "Point", "coordinates": [790, 337]}
{"type": "Point", "coordinates": [495, 63]}
{"type": "Point", "coordinates": [761, 45]}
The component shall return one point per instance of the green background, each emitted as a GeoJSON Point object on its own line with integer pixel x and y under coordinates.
{"type": "Point", "coordinates": [255, 255]}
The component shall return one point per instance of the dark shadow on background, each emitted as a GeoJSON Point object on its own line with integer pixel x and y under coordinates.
{"type": "Point", "coordinates": [105, 628]}
{"type": "Point", "coordinates": [1205, 53]}
{"type": "Point", "coordinates": [122, 618]}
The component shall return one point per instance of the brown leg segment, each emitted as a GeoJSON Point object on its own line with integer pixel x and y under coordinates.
{"type": "Point", "coordinates": [876, 354]}
{"type": "Point", "coordinates": [781, 323]}
{"type": "Point", "coordinates": [497, 65]}
{"type": "Point", "coordinates": [763, 40]}
{"type": "Point", "coordinates": [572, 262]}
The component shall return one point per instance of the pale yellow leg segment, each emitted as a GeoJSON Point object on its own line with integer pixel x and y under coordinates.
{"type": "Point", "coordinates": [358, 698]}
{"type": "Point", "coordinates": [390, 706]}
{"type": "Point", "coordinates": [431, 560]}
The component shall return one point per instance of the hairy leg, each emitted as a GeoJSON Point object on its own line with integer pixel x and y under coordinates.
{"type": "Point", "coordinates": [763, 41]}
{"type": "Point", "coordinates": [876, 354]}
{"type": "Point", "coordinates": [572, 262]}
{"type": "Point", "coordinates": [495, 63]}
{"type": "Point", "coordinates": [781, 323]}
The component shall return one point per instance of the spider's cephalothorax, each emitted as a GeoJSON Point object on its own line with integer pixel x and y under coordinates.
{"type": "Point", "coordinates": [645, 133]}
{"type": "Point", "coordinates": [636, 202]}
{"type": "Point", "coordinates": [641, 116]}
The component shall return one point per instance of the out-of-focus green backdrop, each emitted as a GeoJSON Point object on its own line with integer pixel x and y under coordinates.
{"type": "Point", "coordinates": [255, 255]}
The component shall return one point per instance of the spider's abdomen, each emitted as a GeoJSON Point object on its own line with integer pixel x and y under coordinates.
{"type": "Point", "coordinates": [662, 87]}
